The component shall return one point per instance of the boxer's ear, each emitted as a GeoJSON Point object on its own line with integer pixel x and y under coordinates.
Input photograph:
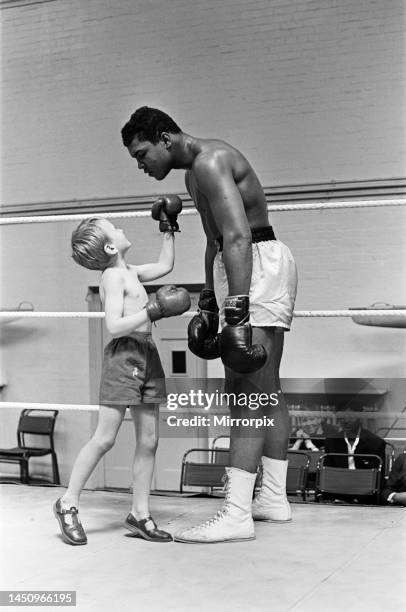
{"type": "Point", "coordinates": [166, 139]}
{"type": "Point", "coordinates": [110, 249]}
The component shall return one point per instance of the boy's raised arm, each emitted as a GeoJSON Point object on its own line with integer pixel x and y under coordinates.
{"type": "Point", "coordinates": [164, 265]}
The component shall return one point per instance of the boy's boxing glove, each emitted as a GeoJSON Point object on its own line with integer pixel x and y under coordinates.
{"type": "Point", "coordinates": [166, 210]}
{"type": "Point", "coordinates": [169, 301]}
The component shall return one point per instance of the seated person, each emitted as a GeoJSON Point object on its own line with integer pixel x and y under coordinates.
{"type": "Point", "coordinates": [394, 491]}
{"type": "Point", "coordinates": [305, 433]}
{"type": "Point", "coordinates": [310, 437]}
{"type": "Point", "coordinates": [354, 439]}
{"type": "Point", "coordinates": [312, 433]}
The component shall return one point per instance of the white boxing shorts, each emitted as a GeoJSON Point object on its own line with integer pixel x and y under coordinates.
{"type": "Point", "coordinates": [273, 284]}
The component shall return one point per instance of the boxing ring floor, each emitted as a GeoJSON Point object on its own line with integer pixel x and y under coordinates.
{"type": "Point", "coordinates": [331, 557]}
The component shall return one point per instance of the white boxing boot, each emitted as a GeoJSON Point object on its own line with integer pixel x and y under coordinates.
{"type": "Point", "coordinates": [233, 522]}
{"type": "Point", "coordinates": [271, 502]}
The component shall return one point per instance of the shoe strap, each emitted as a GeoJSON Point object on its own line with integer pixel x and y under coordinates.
{"type": "Point", "coordinates": [72, 510]}
{"type": "Point", "coordinates": [143, 524]}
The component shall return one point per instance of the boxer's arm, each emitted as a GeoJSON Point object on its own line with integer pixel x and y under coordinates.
{"type": "Point", "coordinates": [211, 248]}
{"type": "Point", "coordinates": [215, 181]}
{"type": "Point", "coordinates": [113, 290]}
{"type": "Point", "coordinates": [210, 254]}
{"type": "Point", "coordinates": [164, 265]}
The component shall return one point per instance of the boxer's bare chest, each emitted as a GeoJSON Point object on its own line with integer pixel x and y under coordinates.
{"type": "Point", "coordinates": [202, 204]}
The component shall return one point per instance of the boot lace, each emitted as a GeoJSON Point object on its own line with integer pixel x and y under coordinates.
{"type": "Point", "coordinates": [225, 507]}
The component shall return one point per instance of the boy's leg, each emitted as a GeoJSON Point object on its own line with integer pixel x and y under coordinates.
{"type": "Point", "coordinates": [110, 419]}
{"type": "Point", "coordinates": [145, 417]}
{"type": "Point", "coordinates": [66, 508]}
{"type": "Point", "coordinates": [139, 521]}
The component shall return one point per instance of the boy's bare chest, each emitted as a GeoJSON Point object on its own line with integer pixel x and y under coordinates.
{"type": "Point", "coordinates": [135, 295]}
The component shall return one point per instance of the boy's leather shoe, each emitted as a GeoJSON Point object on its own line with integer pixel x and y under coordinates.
{"type": "Point", "coordinates": [147, 529]}
{"type": "Point", "coordinates": [72, 530]}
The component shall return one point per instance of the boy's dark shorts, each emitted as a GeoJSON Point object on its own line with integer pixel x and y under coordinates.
{"type": "Point", "coordinates": [132, 372]}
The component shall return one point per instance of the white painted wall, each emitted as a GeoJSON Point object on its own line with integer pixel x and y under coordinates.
{"type": "Point", "coordinates": [311, 90]}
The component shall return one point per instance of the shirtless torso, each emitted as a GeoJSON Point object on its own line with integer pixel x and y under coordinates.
{"type": "Point", "coordinates": [134, 295]}
{"type": "Point", "coordinates": [236, 174]}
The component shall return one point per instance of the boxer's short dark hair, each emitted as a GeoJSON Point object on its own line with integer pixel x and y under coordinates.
{"type": "Point", "coordinates": [148, 124]}
{"type": "Point", "coordinates": [88, 242]}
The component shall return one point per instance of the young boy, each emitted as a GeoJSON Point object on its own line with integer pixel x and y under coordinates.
{"type": "Point", "coordinates": [132, 374]}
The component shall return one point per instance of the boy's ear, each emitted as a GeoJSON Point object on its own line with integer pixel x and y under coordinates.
{"type": "Point", "coordinates": [110, 249]}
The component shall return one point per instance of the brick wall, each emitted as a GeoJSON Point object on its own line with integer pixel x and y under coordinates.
{"type": "Point", "coordinates": [311, 90]}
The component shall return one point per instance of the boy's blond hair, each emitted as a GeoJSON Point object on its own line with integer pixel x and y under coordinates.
{"type": "Point", "coordinates": [88, 242]}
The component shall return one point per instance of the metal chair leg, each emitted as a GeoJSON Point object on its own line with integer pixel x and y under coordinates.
{"type": "Point", "coordinates": [24, 473]}
{"type": "Point", "coordinates": [55, 470]}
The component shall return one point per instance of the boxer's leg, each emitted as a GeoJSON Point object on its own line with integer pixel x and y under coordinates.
{"type": "Point", "coordinates": [234, 522]}
{"type": "Point", "coordinates": [271, 503]}
{"type": "Point", "coordinates": [276, 437]}
{"type": "Point", "coordinates": [248, 444]}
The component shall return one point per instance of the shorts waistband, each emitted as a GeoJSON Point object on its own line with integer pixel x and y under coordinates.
{"type": "Point", "coordinates": [258, 234]}
{"type": "Point", "coordinates": [141, 335]}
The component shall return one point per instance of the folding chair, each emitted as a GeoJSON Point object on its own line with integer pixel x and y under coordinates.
{"type": "Point", "coordinates": [345, 481]}
{"type": "Point", "coordinates": [298, 467]}
{"type": "Point", "coordinates": [389, 457]}
{"type": "Point", "coordinates": [223, 457]}
{"type": "Point", "coordinates": [395, 436]}
{"type": "Point", "coordinates": [33, 425]}
{"type": "Point", "coordinates": [203, 473]}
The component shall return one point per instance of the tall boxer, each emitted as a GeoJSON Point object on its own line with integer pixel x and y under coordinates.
{"type": "Point", "coordinates": [250, 286]}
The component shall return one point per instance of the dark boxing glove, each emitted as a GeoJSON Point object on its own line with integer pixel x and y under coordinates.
{"type": "Point", "coordinates": [236, 348]}
{"type": "Point", "coordinates": [169, 301]}
{"type": "Point", "coordinates": [166, 210]}
{"type": "Point", "coordinates": [202, 331]}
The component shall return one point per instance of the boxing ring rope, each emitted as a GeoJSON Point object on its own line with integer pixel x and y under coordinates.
{"type": "Point", "coordinates": [95, 407]}
{"type": "Point", "coordinates": [192, 211]}
{"type": "Point", "coordinates": [44, 406]}
{"type": "Point", "coordinates": [296, 313]}
{"type": "Point", "coordinates": [186, 211]}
